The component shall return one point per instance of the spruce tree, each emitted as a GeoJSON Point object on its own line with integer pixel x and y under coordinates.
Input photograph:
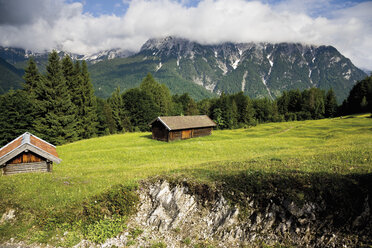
{"type": "Point", "coordinates": [360, 97]}
{"type": "Point", "coordinates": [31, 76]}
{"type": "Point", "coordinates": [245, 109]}
{"type": "Point", "coordinates": [159, 93]}
{"type": "Point", "coordinates": [330, 106]}
{"type": "Point", "coordinates": [107, 114]}
{"type": "Point", "coordinates": [17, 115]}
{"type": "Point", "coordinates": [140, 108]}
{"type": "Point", "coordinates": [76, 85]}
{"type": "Point", "coordinates": [283, 103]}
{"type": "Point", "coordinates": [189, 106]}
{"type": "Point", "coordinates": [68, 72]}
{"type": "Point", "coordinates": [106, 124]}
{"type": "Point", "coordinates": [56, 118]}
{"type": "Point", "coordinates": [87, 112]}
{"type": "Point", "coordinates": [117, 106]}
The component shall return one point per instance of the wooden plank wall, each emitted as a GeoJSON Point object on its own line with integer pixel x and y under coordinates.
{"type": "Point", "coordinates": [42, 166]}
{"type": "Point", "coordinates": [159, 133]}
{"type": "Point", "coordinates": [26, 157]}
{"type": "Point", "coordinates": [175, 135]}
{"type": "Point", "coordinates": [189, 133]}
{"type": "Point", "coordinates": [202, 132]}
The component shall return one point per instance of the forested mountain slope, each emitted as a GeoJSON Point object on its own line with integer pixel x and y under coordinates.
{"type": "Point", "coordinates": [10, 77]}
{"type": "Point", "coordinates": [257, 69]}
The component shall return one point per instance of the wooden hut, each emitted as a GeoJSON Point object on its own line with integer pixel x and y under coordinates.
{"type": "Point", "coordinates": [169, 128]}
{"type": "Point", "coordinates": [28, 153]}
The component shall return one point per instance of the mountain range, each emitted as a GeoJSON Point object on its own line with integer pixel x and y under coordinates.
{"type": "Point", "coordinates": [257, 69]}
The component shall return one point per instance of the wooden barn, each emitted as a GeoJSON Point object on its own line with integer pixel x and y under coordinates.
{"type": "Point", "coordinates": [169, 128]}
{"type": "Point", "coordinates": [28, 153]}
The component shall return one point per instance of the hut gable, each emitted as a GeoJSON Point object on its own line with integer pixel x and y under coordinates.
{"type": "Point", "coordinates": [28, 153]}
{"type": "Point", "coordinates": [168, 128]}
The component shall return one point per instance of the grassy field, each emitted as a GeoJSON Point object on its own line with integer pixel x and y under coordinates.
{"type": "Point", "coordinates": [89, 167]}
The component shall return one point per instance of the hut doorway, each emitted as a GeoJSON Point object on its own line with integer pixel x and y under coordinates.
{"type": "Point", "coordinates": [186, 134]}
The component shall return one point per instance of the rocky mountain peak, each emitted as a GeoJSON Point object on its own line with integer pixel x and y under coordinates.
{"type": "Point", "coordinates": [231, 67]}
{"type": "Point", "coordinates": [169, 46]}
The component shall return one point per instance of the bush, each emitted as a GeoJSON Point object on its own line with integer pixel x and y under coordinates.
{"type": "Point", "coordinates": [101, 230]}
{"type": "Point", "coordinates": [118, 200]}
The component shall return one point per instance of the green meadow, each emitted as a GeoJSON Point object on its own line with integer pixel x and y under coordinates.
{"type": "Point", "coordinates": [339, 146]}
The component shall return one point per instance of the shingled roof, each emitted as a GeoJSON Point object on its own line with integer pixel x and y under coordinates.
{"type": "Point", "coordinates": [30, 142]}
{"type": "Point", "coordinates": [185, 122]}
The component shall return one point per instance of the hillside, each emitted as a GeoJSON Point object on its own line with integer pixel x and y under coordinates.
{"type": "Point", "coordinates": [10, 77]}
{"type": "Point", "coordinates": [292, 160]}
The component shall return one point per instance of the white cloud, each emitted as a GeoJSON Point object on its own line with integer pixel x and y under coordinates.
{"type": "Point", "coordinates": [64, 26]}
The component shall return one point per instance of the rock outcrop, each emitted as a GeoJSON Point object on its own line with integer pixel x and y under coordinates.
{"type": "Point", "coordinates": [174, 215]}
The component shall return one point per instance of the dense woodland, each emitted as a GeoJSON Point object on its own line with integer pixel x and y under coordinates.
{"type": "Point", "coordinates": [60, 106]}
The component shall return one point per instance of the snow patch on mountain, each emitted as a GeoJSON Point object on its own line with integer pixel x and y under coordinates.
{"type": "Point", "coordinates": [223, 67]}
{"type": "Point", "coordinates": [270, 61]}
{"type": "Point", "coordinates": [267, 88]}
{"type": "Point", "coordinates": [198, 81]}
{"type": "Point", "coordinates": [311, 81]}
{"type": "Point", "coordinates": [243, 81]}
{"type": "Point", "coordinates": [106, 55]}
{"type": "Point", "coordinates": [347, 74]}
{"type": "Point", "coordinates": [235, 64]}
{"type": "Point", "coordinates": [158, 66]}
{"type": "Point", "coordinates": [335, 60]}
{"type": "Point", "coordinates": [211, 86]}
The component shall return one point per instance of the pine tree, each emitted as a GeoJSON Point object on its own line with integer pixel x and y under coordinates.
{"type": "Point", "coordinates": [159, 93]}
{"type": "Point", "coordinates": [263, 110]}
{"type": "Point", "coordinates": [313, 103]}
{"type": "Point", "coordinates": [68, 72]}
{"type": "Point", "coordinates": [117, 106]}
{"type": "Point", "coordinates": [87, 111]}
{"type": "Point", "coordinates": [31, 76]}
{"type": "Point", "coordinates": [217, 118]}
{"type": "Point", "coordinates": [204, 107]}
{"type": "Point", "coordinates": [56, 118]}
{"type": "Point", "coordinates": [189, 106]}
{"type": "Point", "coordinates": [245, 109]}
{"type": "Point", "coordinates": [76, 85]}
{"type": "Point", "coordinates": [360, 97]}
{"type": "Point", "coordinates": [106, 124]}
{"type": "Point", "coordinates": [283, 102]}
{"type": "Point", "coordinates": [140, 108]}
{"type": "Point", "coordinates": [330, 108]}
{"type": "Point", "coordinates": [17, 115]}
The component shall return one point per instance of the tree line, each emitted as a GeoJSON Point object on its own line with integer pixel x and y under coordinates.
{"type": "Point", "coordinates": [60, 106]}
{"type": "Point", "coordinates": [133, 109]}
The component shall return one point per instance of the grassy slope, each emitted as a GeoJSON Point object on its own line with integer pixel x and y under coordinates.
{"type": "Point", "coordinates": [341, 146]}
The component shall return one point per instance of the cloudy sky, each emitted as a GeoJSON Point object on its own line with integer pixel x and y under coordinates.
{"type": "Point", "coordinates": [88, 26]}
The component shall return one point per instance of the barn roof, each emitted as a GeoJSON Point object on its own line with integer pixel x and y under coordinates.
{"type": "Point", "coordinates": [185, 122]}
{"type": "Point", "coordinates": [29, 142]}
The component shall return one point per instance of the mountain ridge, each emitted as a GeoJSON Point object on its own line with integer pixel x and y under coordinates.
{"type": "Point", "coordinates": [258, 69]}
